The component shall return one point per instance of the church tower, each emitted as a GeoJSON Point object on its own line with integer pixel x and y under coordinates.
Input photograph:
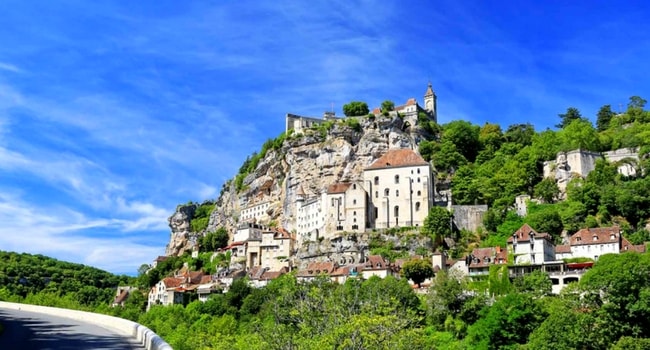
{"type": "Point", "coordinates": [431, 103]}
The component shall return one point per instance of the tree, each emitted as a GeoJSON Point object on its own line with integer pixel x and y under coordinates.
{"type": "Point", "coordinates": [536, 283]}
{"type": "Point", "coordinates": [521, 134]}
{"type": "Point", "coordinates": [509, 321]}
{"type": "Point", "coordinates": [387, 106]}
{"type": "Point", "coordinates": [355, 109]}
{"type": "Point", "coordinates": [604, 116]}
{"type": "Point", "coordinates": [438, 224]}
{"type": "Point", "coordinates": [214, 240]}
{"type": "Point", "coordinates": [580, 134]}
{"type": "Point", "coordinates": [547, 190]}
{"type": "Point", "coordinates": [417, 270]}
{"type": "Point", "coordinates": [464, 135]}
{"type": "Point", "coordinates": [491, 136]}
{"type": "Point", "coordinates": [571, 115]}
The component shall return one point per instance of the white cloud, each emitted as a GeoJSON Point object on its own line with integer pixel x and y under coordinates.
{"type": "Point", "coordinates": [9, 67]}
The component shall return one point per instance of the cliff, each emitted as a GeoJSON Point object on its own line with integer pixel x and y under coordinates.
{"type": "Point", "coordinates": [314, 159]}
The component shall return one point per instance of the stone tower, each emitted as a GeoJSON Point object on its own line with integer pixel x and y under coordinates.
{"type": "Point", "coordinates": [431, 103]}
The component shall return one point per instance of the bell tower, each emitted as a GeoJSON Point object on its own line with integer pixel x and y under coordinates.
{"type": "Point", "coordinates": [431, 103]}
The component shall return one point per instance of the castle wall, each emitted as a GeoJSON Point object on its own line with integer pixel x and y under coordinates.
{"type": "Point", "coordinates": [619, 155]}
{"type": "Point", "coordinates": [469, 217]}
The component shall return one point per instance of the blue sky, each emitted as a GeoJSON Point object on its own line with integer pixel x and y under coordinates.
{"type": "Point", "coordinates": [114, 112]}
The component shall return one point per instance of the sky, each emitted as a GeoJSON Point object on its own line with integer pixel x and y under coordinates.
{"type": "Point", "coordinates": [114, 112]}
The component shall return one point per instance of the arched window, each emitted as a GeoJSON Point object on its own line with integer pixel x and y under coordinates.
{"type": "Point", "coordinates": [386, 192]}
{"type": "Point", "coordinates": [417, 206]}
{"type": "Point", "coordinates": [418, 179]}
{"type": "Point", "coordinates": [396, 193]}
{"type": "Point", "coordinates": [419, 193]}
{"type": "Point", "coordinates": [396, 211]}
{"type": "Point", "coordinates": [396, 179]}
{"type": "Point", "coordinates": [354, 201]}
{"type": "Point", "coordinates": [376, 194]}
{"type": "Point", "coordinates": [418, 171]}
{"type": "Point", "coordinates": [354, 186]}
{"type": "Point", "coordinates": [376, 180]}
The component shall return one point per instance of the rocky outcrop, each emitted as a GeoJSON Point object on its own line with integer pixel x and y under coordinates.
{"type": "Point", "coordinates": [181, 236]}
{"type": "Point", "coordinates": [312, 160]}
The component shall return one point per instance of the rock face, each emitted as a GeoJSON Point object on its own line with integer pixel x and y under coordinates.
{"type": "Point", "coordinates": [179, 223]}
{"type": "Point", "coordinates": [312, 160]}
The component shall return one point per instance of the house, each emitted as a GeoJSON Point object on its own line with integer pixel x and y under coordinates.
{"type": "Point", "coordinates": [481, 259]}
{"type": "Point", "coordinates": [261, 276]}
{"type": "Point", "coordinates": [345, 205]}
{"type": "Point", "coordinates": [316, 269]}
{"type": "Point", "coordinates": [594, 242]}
{"type": "Point", "coordinates": [309, 215]}
{"type": "Point", "coordinates": [166, 292]}
{"type": "Point", "coordinates": [400, 186]}
{"type": "Point", "coordinates": [376, 265]}
{"type": "Point", "coordinates": [158, 260]}
{"type": "Point", "coordinates": [204, 290]}
{"type": "Point", "coordinates": [531, 247]}
{"type": "Point", "coordinates": [122, 294]}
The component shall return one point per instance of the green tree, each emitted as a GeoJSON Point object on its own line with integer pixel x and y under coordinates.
{"type": "Point", "coordinates": [520, 134]}
{"type": "Point", "coordinates": [536, 283]}
{"type": "Point", "coordinates": [604, 116]}
{"type": "Point", "coordinates": [579, 133]}
{"type": "Point", "coordinates": [214, 240]}
{"type": "Point", "coordinates": [509, 321]}
{"type": "Point", "coordinates": [417, 270]}
{"type": "Point", "coordinates": [387, 106]}
{"type": "Point", "coordinates": [355, 109]}
{"type": "Point", "coordinates": [464, 135]}
{"type": "Point", "coordinates": [438, 224]}
{"type": "Point", "coordinates": [547, 190]}
{"type": "Point", "coordinates": [572, 114]}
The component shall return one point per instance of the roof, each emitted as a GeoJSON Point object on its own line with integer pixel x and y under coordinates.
{"type": "Point", "coordinates": [317, 268]}
{"type": "Point", "coordinates": [627, 246]}
{"type": "Point", "coordinates": [600, 235]}
{"type": "Point", "coordinates": [562, 249]}
{"type": "Point", "coordinates": [398, 158]}
{"type": "Point", "coordinates": [409, 102]}
{"type": "Point", "coordinates": [376, 262]}
{"type": "Point", "coordinates": [300, 191]}
{"type": "Point", "coordinates": [172, 282]}
{"type": "Point", "coordinates": [161, 258]}
{"type": "Point", "coordinates": [271, 275]}
{"type": "Point", "coordinates": [338, 188]}
{"type": "Point", "coordinates": [122, 297]}
{"type": "Point", "coordinates": [483, 257]}
{"type": "Point", "coordinates": [523, 234]}
{"type": "Point", "coordinates": [429, 91]}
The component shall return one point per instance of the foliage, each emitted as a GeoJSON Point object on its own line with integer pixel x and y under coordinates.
{"type": "Point", "coordinates": [437, 224]}
{"type": "Point", "coordinates": [353, 123]}
{"type": "Point", "coordinates": [572, 114]}
{"type": "Point", "coordinates": [201, 217]}
{"type": "Point", "coordinates": [547, 190]}
{"type": "Point", "coordinates": [214, 240]}
{"type": "Point", "coordinates": [387, 106]}
{"type": "Point", "coordinates": [355, 109]}
{"type": "Point", "coordinates": [417, 270]}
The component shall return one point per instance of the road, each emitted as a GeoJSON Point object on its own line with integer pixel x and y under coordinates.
{"type": "Point", "coordinates": [24, 330]}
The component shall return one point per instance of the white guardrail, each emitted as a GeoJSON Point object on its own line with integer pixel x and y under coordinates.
{"type": "Point", "coordinates": [146, 337]}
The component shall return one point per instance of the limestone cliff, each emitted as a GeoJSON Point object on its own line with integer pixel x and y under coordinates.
{"type": "Point", "coordinates": [313, 160]}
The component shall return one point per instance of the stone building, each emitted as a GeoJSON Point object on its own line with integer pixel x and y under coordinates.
{"type": "Point", "coordinates": [401, 188]}
{"type": "Point", "coordinates": [345, 208]}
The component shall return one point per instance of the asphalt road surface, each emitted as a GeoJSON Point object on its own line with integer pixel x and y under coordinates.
{"type": "Point", "coordinates": [24, 330]}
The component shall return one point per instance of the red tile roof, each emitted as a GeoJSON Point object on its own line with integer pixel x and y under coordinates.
{"type": "Point", "coordinates": [483, 257]}
{"type": "Point", "coordinates": [524, 232]}
{"type": "Point", "coordinates": [600, 235]}
{"type": "Point", "coordinates": [172, 282]}
{"type": "Point", "coordinates": [562, 249]}
{"type": "Point", "coordinates": [338, 188]}
{"type": "Point", "coordinates": [317, 268]}
{"type": "Point", "coordinates": [398, 158]}
{"type": "Point", "coordinates": [122, 297]}
{"type": "Point", "coordinates": [376, 262]}
{"type": "Point", "coordinates": [627, 246]}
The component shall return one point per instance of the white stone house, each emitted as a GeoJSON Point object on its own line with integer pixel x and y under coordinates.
{"type": "Point", "coordinates": [401, 188]}
{"type": "Point", "coordinates": [531, 247]}
{"type": "Point", "coordinates": [345, 205]}
{"type": "Point", "coordinates": [310, 219]}
{"type": "Point", "coordinates": [255, 212]}
{"type": "Point", "coordinates": [166, 292]}
{"type": "Point", "coordinates": [594, 242]}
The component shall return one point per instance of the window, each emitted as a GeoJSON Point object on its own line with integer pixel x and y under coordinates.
{"type": "Point", "coordinates": [376, 194]}
{"type": "Point", "coordinates": [396, 179]}
{"type": "Point", "coordinates": [396, 211]}
{"type": "Point", "coordinates": [354, 201]}
{"type": "Point", "coordinates": [418, 171]}
{"type": "Point", "coordinates": [376, 180]}
{"type": "Point", "coordinates": [386, 192]}
{"type": "Point", "coordinates": [419, 193]}
{"type": "Point", "coordinates": [417, 206]}
{"type": "Point", "coordinates": [354, 213]}
{"type": "Point", "coordinates": [396, 193]}
{"type": "Point", "coordinates": [354, 186]}
{"type": "Point", "coordinates": [418, 179]}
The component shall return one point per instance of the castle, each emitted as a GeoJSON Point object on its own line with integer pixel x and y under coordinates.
{"type": "Point", "coordinates": [409, 111]}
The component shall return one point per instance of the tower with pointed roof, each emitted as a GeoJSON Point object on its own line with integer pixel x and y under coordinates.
{"type": "Point", "coordinates": [431, 103]}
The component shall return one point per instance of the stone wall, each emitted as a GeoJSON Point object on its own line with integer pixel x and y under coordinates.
{"type": "Point", "coordinates": [469, 217]}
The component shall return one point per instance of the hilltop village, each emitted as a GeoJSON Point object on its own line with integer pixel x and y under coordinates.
{"type": "Point", "coordinates": [297, 222]}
